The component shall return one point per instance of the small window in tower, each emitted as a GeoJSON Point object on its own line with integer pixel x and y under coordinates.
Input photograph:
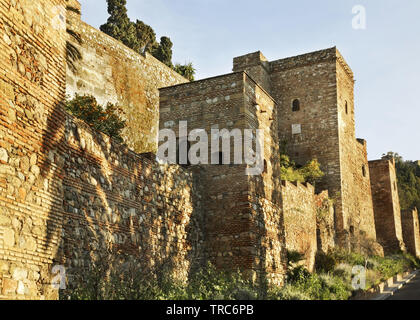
{"type": "Point", "coordinates": [296, 105]}
{"type": "Point", "coordinates": [347, 108]}
{"type": "Point", "coordinates": [364, 171]}
{"type": "Point", "coordinates": [265, 166]}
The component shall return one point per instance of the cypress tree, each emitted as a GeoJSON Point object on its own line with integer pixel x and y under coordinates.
{"type": "Point", "coordinates": [164, 51]}
{"type": "Point", "coordinates": [119, 25]}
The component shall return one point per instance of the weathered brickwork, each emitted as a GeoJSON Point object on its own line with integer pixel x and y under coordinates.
{"type": "Point", "coordinates": [70, 196]}
{"type": "Point", "coordinates": [411, 231]}
{"type": "Point", "coordinates": [315, 97]}
{"type": "Point", "coordinates": [300, 221]}
{"type": "Point", "coordinates": [325, 222]}
{"type": "Point", "coordinates": [74, 197]}
{"type": "Point", "coordinates": [243, 217]}
{"type": "Point", "coordinates": [386, 205]}
{"type": "Point", "coordinates": [112, 72]}
{"type": "Point", "coordinates": [32, 81]}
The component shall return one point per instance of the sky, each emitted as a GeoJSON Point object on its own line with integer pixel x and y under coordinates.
{"type": "Point", "coordinates": [384, 56]}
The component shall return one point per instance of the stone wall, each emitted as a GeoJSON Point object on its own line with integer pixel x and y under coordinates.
{"type": "Point", "coordinates": [325, 222]}
{"type": "Point", "coordinates": [32, 82]}
{"type": "Point", "coordinates": [386, 205]}
{"type": "Point", "coordinates": [112, 72]}
{"type": "Point", "coordinates": [321, 127]}
{"type": "Point", "coordinates": [70, 196]}
{"type": "Point", "coordinates": [300, 221]}
{"type": "Point", "coordinates": [243, 216]}
{"type": "Point", "coordinates": [411, 231]}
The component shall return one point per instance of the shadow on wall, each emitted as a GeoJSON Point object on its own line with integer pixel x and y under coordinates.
{"type": "Point", "coordinates": [117, 213]}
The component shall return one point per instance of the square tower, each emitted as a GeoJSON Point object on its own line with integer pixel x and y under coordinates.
{"type": "Point", "coordinates": [315, 99]}
{"type": "Point", "coordinates": [386, 205]}
{"type": "Point", "coordinates": [243, 220]}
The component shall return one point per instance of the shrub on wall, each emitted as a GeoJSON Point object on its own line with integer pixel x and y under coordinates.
{"type": "Point", "coordinates": [310, 172]}
{"type": "Point", "coordinates": [106, 119]}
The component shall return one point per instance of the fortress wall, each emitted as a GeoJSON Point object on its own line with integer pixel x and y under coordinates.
{"type": "Point", "coordinates": [206, 104]}
{"type": "Point", "coordinates": [325, 222]}
{"type": "Point", "coordinates": [265, 189]}
{"type": "Point", "coordinates": [300, 224]}
{"type": "Point", "coordinates": [117, 202]}
{"type": "Point", "coordinates": [386, 205]}
{"type": "Point", "coordinates": [356, 191]}
{"type": "Point", "coordinates": [70, 196]}
{"type": "Point", "coordinates": [32, 86]}
{"type": "Point", "coordinates": [112, 72]}
{"type": "Point", "coordinates": [242, 213]}
{"type": "Point", "coordinates": [311, 132]}
{"type": "Point", "coordinates": [411, 231]}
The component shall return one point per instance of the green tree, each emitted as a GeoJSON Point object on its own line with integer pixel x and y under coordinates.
{"type": "Point", "coordinates": [408, 176]}
{"type": "Point", "coordinates": [141, 37]}
{"type": "Point", "coordinates": [119, 25]}
{"type": "Point", "coordinates": [146, 36]}
{"type": "Point", "coordinates": [164, 51]}
{"type": "Point", "coordinates": [186, 70]}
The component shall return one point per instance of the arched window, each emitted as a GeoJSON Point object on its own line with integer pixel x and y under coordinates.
{"type": "Point", "coordinates": [364, 171]}
{"type": "Point", "coordinates": [347, 108]}
{"type": "Point", "coordinates": [295, 105]}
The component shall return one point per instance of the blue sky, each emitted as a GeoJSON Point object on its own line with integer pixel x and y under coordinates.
{"type": "Point", "coordinates": [385, 57]}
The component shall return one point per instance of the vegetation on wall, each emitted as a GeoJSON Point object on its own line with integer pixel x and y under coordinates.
{"type": "Point", "coordinates": [310, 172]}
{"type": "Point", "coordinates": [141, 37]}
{"type": "Point", "coordinates": [408, 176]}
{"type": "Point", "coordinates": [331, 281]}
{"type": "Point", "coordinates": [106, 119]}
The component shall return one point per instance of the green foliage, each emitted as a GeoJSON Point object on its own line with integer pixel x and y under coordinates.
{"type": "Point", "coordinates": [119, 25]}
{"type": "Point", "coordinates": [146, 36]}
{"type": "Point", "coordinates": [104, 119]}
{"type": "Point", "coordinates": [311, 172]}
{"type": "Point", "coordinates": [141, 37]}
{"type": "Point", "coordinates": [129, 282]}
{"type": "Point", "coordinates": [187, 70]}
{"type": "Point", "coordinates": [294, 256]}
{"type": "Point", "coordinates": [408, 176]}
{"type": "Point", "coordinates": [303, 285]}
{"type": "Point", "coordinates": [163, 51]}
{"type": "Point", "coordinates": [325, 262]}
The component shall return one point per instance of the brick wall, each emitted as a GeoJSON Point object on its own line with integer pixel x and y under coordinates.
{"type": "Point", "coordinates": [32, 82]}
{"type": "Point", "coordinates": [386, 205]}
{"type": "Point", "coordinates": [322, 128]}
{"type": "Point", "coordinates": [112, 72]}
{"type": "Point", "coordinates": [411, 231]}
{"type": "Point", "coordinates": [243, 217]}
{"type": "Point", "coordinates": [70, 196]}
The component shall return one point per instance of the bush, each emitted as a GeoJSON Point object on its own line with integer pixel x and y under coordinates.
{"type": "Point", "coordinates": [289, 171]}
{"type": "Point", "coordinates": [324, 262]}
{"type": "Point", "coordinates": [104, 119]}
{"type": "Point", "coordinates": [106, 281]}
